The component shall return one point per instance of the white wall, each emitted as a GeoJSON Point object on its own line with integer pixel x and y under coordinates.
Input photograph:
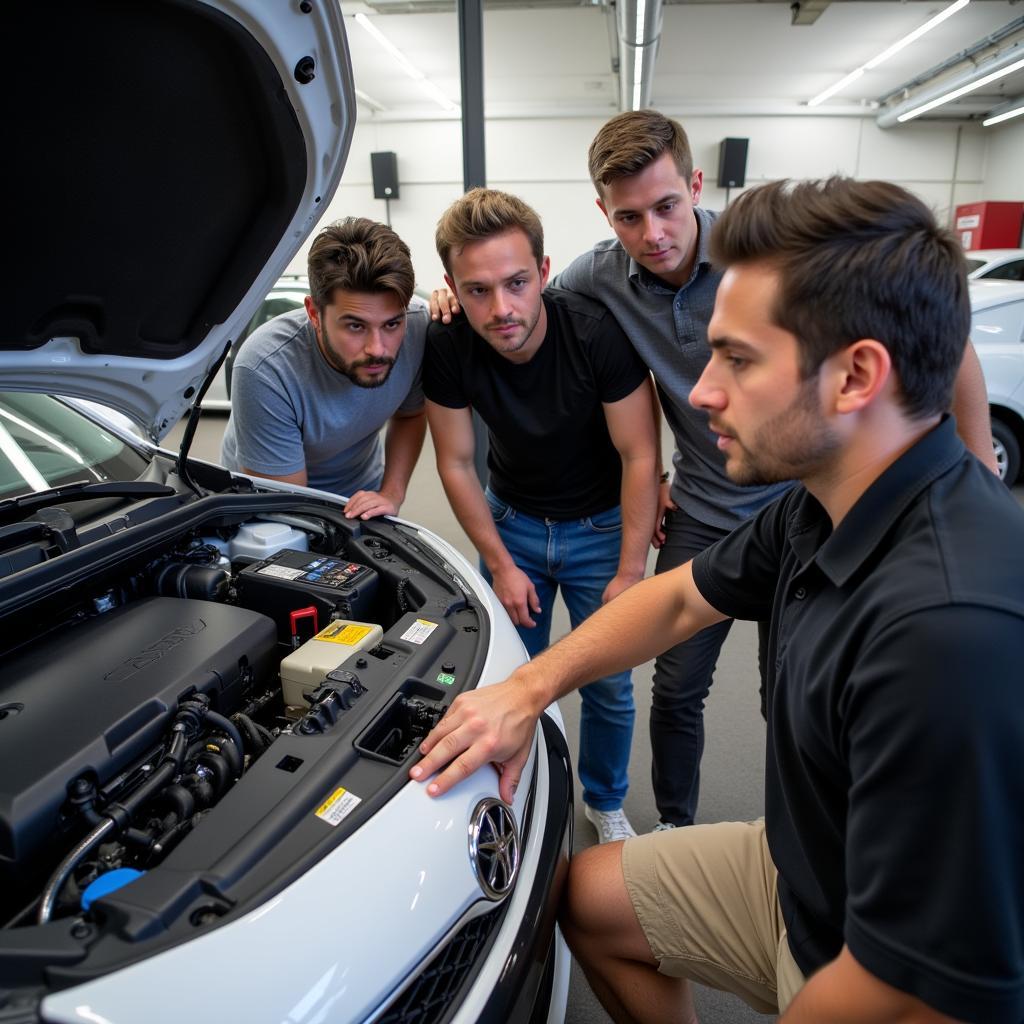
{"type": "Point", "coordinates": [545, 162]}
{"type": "Point", "coordinates": [1004, 164]}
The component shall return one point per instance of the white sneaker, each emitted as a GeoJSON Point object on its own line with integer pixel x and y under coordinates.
{"type": "Point", "coordinates": [663, 826]}
{"type": "Point", "coordinates": [611, 825]}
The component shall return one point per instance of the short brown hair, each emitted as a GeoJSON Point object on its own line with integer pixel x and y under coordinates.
{"type": "Point", "coordinates": [858, 259]}
{"type": "Point", "coordinates": [359, 255]}
{"type": "Point", "coordinates": [482, 213]}
{"type": "Point", "coordinates": [631, 142]}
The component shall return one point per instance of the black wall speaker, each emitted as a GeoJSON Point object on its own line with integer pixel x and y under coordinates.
{"type": "Point", "coordinates": [732, 163]}
{"type": "Point", "coordinates": [385, 175]}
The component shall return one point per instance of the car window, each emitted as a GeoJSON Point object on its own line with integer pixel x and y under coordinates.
{"type": "Point", "coordinates": [973, 265]}
{"type": "Point", "coordinates": [274, 305]}
{"type": "Point", "coordinates": [1012, 271]}
{"type": "Point", "coordinates": [45, 443]}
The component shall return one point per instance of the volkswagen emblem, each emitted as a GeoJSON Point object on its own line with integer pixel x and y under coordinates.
{"type": "Point", "coordinates": [494, 847]}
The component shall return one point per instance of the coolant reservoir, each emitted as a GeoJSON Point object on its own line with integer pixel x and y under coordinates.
{"type": "Point", "coordinates": [261, 540]}
{"type": "Point", "coordinates": [304, 669]}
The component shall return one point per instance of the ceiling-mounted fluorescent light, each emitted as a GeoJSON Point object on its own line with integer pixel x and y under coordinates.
{"type": "Point", "coordinates": [404, 63]}
{"type": "Point", "coordinates": [369, 100]}
{"type": "Point", "coordinates": [947, 12]}
{"type": "Point", "coordinates": [1004, 116]}
{"type": "Point", "coordinates": [955, 94]}
{"type": "Point", "coordinates": [638, 57]}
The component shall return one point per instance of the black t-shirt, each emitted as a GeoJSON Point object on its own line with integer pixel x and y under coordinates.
{"type": "Point", "coordinates": [894, 791]}
{"type": "Point", "coordinates": [550, 453]}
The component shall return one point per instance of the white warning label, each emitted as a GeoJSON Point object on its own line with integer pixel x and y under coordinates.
{"type": "Point", "coordinates": [418, 632]}
{"type": "Point", "coordinates": [282, 572]}
{"type": "Point", "coordinates": [338, 806]}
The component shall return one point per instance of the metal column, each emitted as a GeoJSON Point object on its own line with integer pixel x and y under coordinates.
{"type": "Point", "coordinates": [474, 170]}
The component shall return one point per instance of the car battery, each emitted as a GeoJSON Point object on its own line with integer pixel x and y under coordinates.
{"type": "Point", "coordinates": [305, 668]}
{"type": "Point", "coordinates": [302, 591]}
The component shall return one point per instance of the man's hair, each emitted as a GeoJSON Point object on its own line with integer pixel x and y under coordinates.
{"type": "Point", "coordinates": [359, 255]}
{"type": "Point", "coordinates": [631, 142]}
{"type": "Point", "coordinates": [858, 259]}
{"type": "Point", "coordinates": [482, 213]}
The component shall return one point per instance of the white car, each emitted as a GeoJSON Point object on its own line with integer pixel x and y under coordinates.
{"type": "Point", "coordinates": [996, 264]}
{"type": "Point", "coordinates": [997, 330]}
{"type": "Point", "coordinates": [212, 687]}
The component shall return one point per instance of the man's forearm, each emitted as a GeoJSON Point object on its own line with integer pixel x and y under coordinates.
{"type": "Point", "coordinates": [466, 497]}
{"type": "Point", "coordinates": [639, 503]}
{"type": "Point", "coordinates": [643, 621]}
{"type": "Point", "coordinates": [402, 448]}
{"type": "Point", "coordinates": [970, 406]}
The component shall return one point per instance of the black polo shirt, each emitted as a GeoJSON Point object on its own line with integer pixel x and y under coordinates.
{"type": "Point", "coordinates": [894, 801]}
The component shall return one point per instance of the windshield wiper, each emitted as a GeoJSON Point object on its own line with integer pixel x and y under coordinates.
{"type": "Point", "coordinates": [81, 490]}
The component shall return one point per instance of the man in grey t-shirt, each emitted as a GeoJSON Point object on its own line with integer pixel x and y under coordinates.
{"type": "Point", "coordinates": [657, 279]}
{"type": "Point", "coordinates": [312, 388]}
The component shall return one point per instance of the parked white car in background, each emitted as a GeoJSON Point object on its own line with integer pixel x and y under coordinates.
{"type": "Point", "coordinates": [996, 264]}
{"type": "Point", "coordinates": [997, 330]}
{"type": "Point", "coordinates": [212, 687]}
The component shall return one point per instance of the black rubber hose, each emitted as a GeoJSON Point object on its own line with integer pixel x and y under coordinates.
{"type": "Point", "coordinates": [230, 730]}
{"type": "Point", "coordinates": [248, 727]}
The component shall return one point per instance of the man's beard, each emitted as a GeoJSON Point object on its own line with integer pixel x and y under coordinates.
{"type": "Point", "coordinates": [528, 327]}
{"type": "Point", "coordinates": [792, 445]}
{"type": "Point", "coordinates": [351, 369]}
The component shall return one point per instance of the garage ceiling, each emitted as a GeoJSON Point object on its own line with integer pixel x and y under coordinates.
{"type": "Point", "coordinates": [550, 58]}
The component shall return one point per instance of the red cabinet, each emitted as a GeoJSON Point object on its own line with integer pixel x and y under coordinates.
{"type": "Point", "coordinates": [989, 225]}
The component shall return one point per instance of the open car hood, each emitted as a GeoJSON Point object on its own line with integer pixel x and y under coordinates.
{"type": "Point", "coordinates": [136, 265]}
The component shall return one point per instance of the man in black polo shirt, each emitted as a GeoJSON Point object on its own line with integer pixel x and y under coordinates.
{"type": "Point", "coordinates": [570, 418]}
{"type": "Point", "coordinates": [886, 882]}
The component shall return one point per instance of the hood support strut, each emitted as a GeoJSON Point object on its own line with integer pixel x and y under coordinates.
{"type": "Point", "coordinates": [193, 423]}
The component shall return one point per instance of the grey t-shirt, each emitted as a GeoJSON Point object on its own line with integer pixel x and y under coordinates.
{"type": "Point", "coordinates": [669, 328]}
{"type": "Point", "coordinates": [290, 409]}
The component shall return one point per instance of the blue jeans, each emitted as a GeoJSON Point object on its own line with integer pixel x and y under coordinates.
{"type": "Point", "coordinates": [580, 556]}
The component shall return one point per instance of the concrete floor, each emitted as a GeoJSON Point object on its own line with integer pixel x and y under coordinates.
{"type": "Point", "coordinates": [732, 773]}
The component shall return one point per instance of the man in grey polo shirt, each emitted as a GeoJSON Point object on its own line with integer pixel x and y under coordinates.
{"type": "Point", "coordinates": [312, 388]}
{"type": "Point", "coordinates": [656, 278]}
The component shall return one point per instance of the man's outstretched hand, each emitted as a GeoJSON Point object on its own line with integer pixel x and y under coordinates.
{"type": "Point", "coordinates": [494, 724]}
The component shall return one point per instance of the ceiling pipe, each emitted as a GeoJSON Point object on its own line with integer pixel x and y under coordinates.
{"type": "Point", "coordinates": [639, 30]}
{"type": "Point", "coordinates": [889, 117]}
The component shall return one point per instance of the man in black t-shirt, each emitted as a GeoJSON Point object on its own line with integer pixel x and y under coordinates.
{"type": "Point", "coordinates": [572, 461]}
{"type": "Point", "coordinates": [886, 880]}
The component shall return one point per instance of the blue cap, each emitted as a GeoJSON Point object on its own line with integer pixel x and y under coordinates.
{"type": "Point", "coordinates": [108, 883]}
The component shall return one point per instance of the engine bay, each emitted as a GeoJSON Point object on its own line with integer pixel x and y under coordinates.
{"type": "Point", "coordinates": [193, 714]}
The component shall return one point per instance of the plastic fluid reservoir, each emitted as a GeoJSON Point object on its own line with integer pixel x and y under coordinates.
{"type": "Point", "coordinates": [304, 669]}
{"type": "Point", "coordinates": [261, 540]}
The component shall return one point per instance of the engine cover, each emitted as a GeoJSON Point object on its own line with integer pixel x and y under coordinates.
{"type": "Point", "coordinates": [96, 697]}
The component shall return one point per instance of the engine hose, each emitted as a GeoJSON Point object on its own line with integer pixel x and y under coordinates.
{"type": "Point", "coordinates": [113, 817]}
{"type": "Point", "coordinates": [229, 728]}
{"type": "Point", "coordinates": [255, 737]}
{"type": "Point", "coordinates": [67, 865]}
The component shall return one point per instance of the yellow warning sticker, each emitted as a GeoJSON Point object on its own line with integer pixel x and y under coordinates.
{"type": "Point", "coordinates": [338, 806]}
{"type": "Point", "coordinates": [343, 633]}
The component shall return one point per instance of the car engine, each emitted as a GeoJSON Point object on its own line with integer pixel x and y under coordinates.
{"type": "Point", "coordinates": [174, 708]}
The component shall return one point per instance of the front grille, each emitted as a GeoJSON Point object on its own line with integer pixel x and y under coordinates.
{"type": "Point", "coordinates": [427, 999]}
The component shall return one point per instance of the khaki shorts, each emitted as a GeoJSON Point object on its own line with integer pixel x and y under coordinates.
{"type": "Point", "coordinates": [707, 900]}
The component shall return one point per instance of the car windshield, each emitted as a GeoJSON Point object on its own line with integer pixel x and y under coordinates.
{"type": "Point", "coordinates": [45, 443]}
{"type": "Point", "coordinates": [973, 265]}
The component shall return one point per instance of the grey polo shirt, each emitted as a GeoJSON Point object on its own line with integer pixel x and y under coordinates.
{"type": "Point", "coordinates": [669, 329]}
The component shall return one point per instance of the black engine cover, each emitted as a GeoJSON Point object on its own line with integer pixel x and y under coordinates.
{"type": "Point", "coordinates": [96, 697]}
